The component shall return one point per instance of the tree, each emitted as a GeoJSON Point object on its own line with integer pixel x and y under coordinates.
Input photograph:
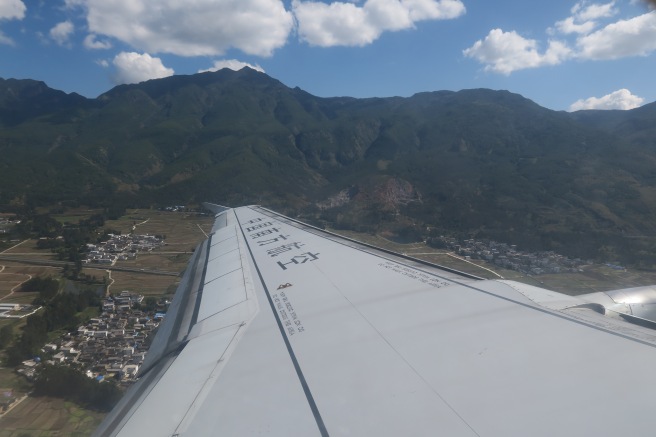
{"type": "Point", "coordinates": [47, 288]}
{"type": "Point", "coordinates": [150, 304]}
{"type": "Point", "coordinates": [6, 335]}
{"type": "Point", "coordinates": [68, 383]}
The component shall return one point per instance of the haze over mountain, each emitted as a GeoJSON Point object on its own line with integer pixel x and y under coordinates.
{"type": "Point", "coordinates": [480, 162]}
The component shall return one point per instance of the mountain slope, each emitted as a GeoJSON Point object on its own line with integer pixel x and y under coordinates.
{"type": "Point", "coordinates": [483, 162]}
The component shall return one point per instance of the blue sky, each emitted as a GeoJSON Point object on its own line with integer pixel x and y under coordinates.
{"type": "Point", "coordinates": [563, 54]}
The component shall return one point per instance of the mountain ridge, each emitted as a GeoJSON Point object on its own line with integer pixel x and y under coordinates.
{"type": "Point", "coordinates": [481, 162]}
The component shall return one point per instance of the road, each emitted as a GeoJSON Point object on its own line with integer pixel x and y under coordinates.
{"type": "Point", "coordinates": [53, 263]}
{"type": "Point", "coordinates": [16, 245]}
{"type": "Point", "coordinates": [474, 264]}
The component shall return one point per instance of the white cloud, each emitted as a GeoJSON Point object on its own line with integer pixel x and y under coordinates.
{"type": "Point", "coordinates": [12, 10]}
{"type": "Point", "coordinates": [633, 37]}
{"type": "Point", "coordinates": [232, 64]}
{"type": "Point", "coordinates": [620, 99]}
{"type": "Point", "coordinates": [325, 25]}
{"type": "Point", "coordinates": [348, 24]}
{"type": "Point", "coordinates": [583, 17]}
{"type": "Point", "coordinates": [70, 4]}
{"type": "Point", "coordinates": [387, 15]}
{"type": "Point", "coordinates": [191, 28]}
{"type": "Point", "coordinates": [92, 43]}
{"type": "Point", "coordinates": [134, 68]}
{"type": "Point", "coordinates": [569, 25]}
{"type": "Point", "coordinates": [505, 52]}
{"type": "Point", "coordinates": [256, 27]}
{"type": "Point", "coordinates": [434, 10]}
{"type": "Point", "coordinates": [586, 12]}
{"type": "Point", "coordinates": [62, 32]}
{"type": "Point", "coordinates": [103, 63]}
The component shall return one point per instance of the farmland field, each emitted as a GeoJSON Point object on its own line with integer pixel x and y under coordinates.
{"type": "Point", "coordinates": [49, 417]}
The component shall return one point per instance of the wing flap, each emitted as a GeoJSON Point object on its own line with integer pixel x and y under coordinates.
{"type": "Point", "coordinates": [174, 400]}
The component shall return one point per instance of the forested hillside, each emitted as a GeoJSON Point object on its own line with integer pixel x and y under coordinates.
{"type": "Point", "coordinates": [475, 162]}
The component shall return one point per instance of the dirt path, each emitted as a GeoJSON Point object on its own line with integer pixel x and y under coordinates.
{"type": "Point", "coordinates": [477, 265]}
{"type": "Point", "coordinates": [139, 224]}
{"type": "Point", "coordinates": [13, 289]}
{"type": "Point", "coordinates": [7, 250]}
{"type": "Point", "coordinates": [111, 282]}
{"type": "Point", "coordinates": [15, 404]}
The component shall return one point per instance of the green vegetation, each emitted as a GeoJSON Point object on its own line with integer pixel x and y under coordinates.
{"type": "Point", "coordinates": [482, 163]}
{"type": "Point", "coordinates": [6, 335]}
{"type": "Point", "coordinates": [60, 312]}
{"type": "Point", "coordinates": [47, 288]}
{"type": "Point", "coordinates": [67, 240]}
{"type": "Point", "coordinates": [71, 384]}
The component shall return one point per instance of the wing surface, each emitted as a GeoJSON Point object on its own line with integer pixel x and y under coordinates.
{"type": "Point", "coordinates": [282, 329]}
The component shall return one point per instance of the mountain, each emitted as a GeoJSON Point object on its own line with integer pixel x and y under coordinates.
{"type": "Point", "coordinates": [477, 162]}
{"type": "Point", "coordinates": [21, 100]}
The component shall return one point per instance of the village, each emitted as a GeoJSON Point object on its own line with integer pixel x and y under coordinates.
{"type": "Point", "coordinates": [509, 257]}
{"type": "Point", "coordinates": [121, 248]}
{"type": "Point", "coordinates": [110, 346]}
{"type": "Point", "coordinates": [7, 222]}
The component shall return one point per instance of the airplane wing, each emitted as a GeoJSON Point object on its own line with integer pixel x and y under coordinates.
{"type": "Point", "coordinates": [279, 328]}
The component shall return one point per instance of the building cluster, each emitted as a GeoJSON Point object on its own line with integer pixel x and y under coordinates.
{"type": "Point", "coordinates": [174, 208]}
{"type": "Point", "coordinates": [112, 345]}
{"type": "Point", "coordinates": [509, 257]}
{"type": "Point", "coordinates": [6, 223]}
{"type": "Point", "coordinates": [121, 247]}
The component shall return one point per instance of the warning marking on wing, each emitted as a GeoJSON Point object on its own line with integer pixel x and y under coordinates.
{"type": "Point", "coordinates": [416, 275]}
{"type": "Point", "coordinates": [288, 316]}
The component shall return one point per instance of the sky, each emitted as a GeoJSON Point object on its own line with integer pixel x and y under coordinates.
{"type": "Point", "coordinates": [562, 54]}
